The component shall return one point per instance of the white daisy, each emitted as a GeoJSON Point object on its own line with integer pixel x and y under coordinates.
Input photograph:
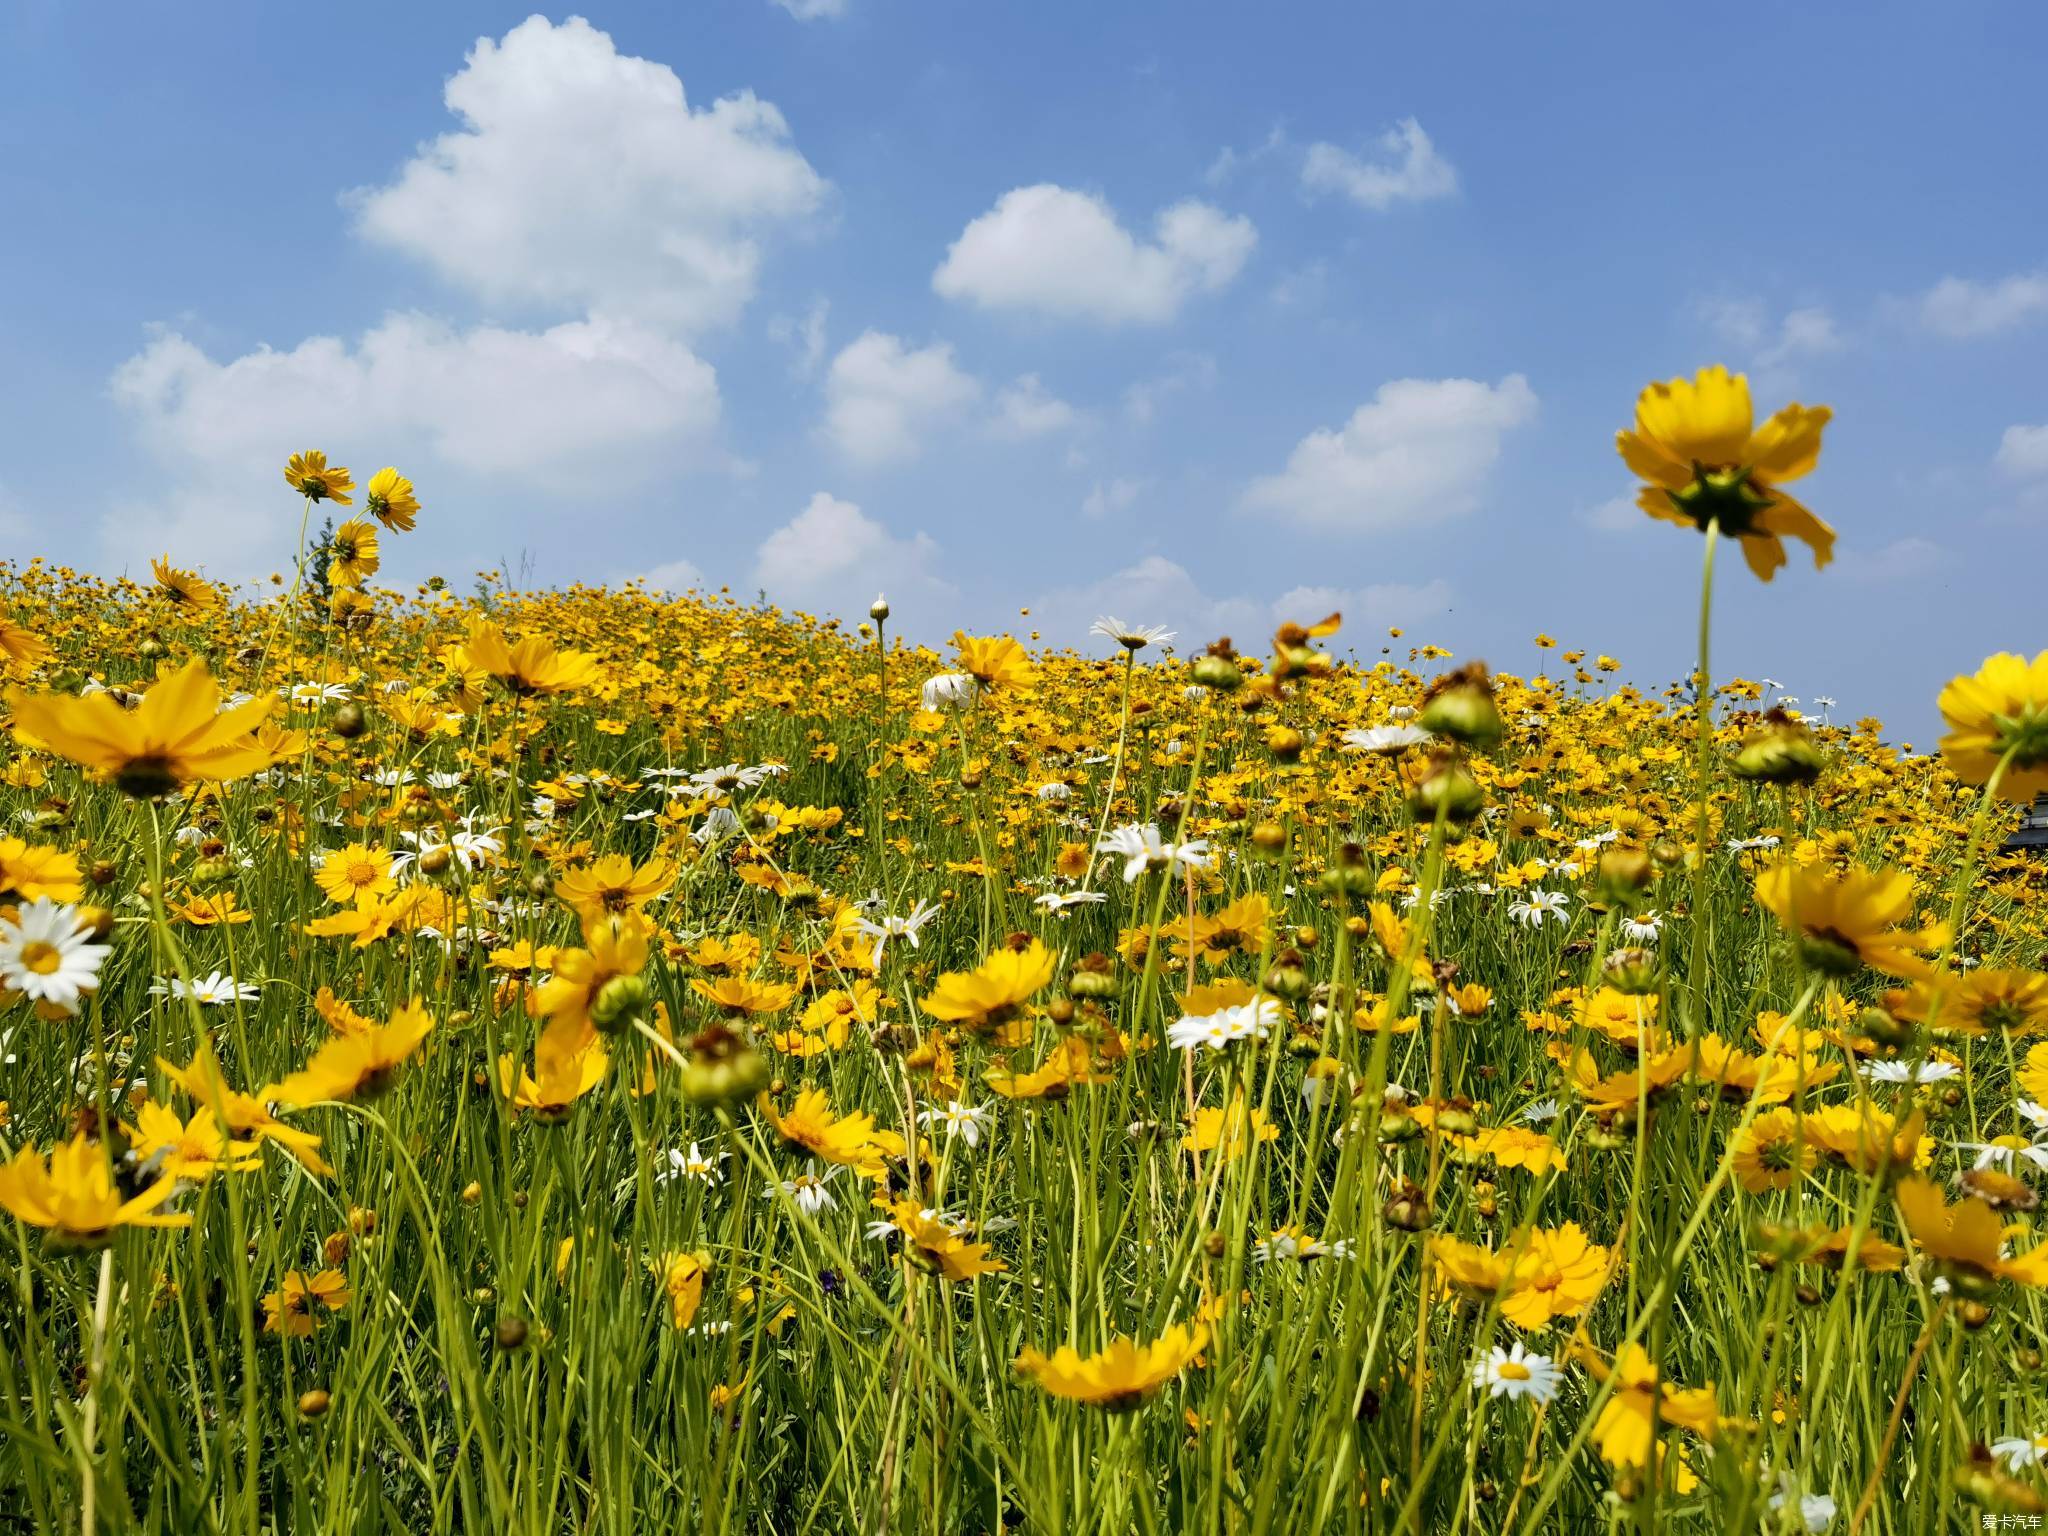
{"type": "Point", "coordinates": [1132, 637]}
{"type": "Point", "coordinates": [883, 929]}
{"type": "Point", "coordinates": [47, 954]}
{"type": "Point", "coordinates": [211, 990]}
{"type": "Point", "coordinates": [1905, 1072]}
{"type": "Point", "coordinates": [950, 692]}
{"type": "Point", "coordinates": [967, 1121]}
{"type": "Point", "coordinates": [1515, 1372]}
{"type": "Point", "coordinates": [807, 1190]}
{"type": "Point", "coordinates": [1141, 848]}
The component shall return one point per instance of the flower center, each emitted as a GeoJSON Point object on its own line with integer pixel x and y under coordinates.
{"type": "Point", "coordinates": [1725, 496]}
{"type": "Point", "coordinates": [41, 957]}
{"type": "Point", "coordinates": [1513, 1370]}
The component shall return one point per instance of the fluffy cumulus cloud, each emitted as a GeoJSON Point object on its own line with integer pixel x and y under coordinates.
{"type": "Point", "coordinates": [672, 579]}
{"type": "Point", "coordinates": [582, 188]}
{"type": "Point", "coordinates": [882, 397]}
{"type": "Point", "coordinates": [835, 557]}
{"type": "Point", "coordinates": [1421, 450]}
{"type": "Point", "coordinates": [582, 179]}
{"type": "Point", "coordinates": [2023, 453]}
{"type": "Point", "coordinates": [585, 405]}
{"type": "Point", "coordinates": [1157, 590]}
{"type": "Point", "coordinates": [1960, 308]}
{"type": "Point", "coordinates": [1404, 167]}
{"type": "Point", "coordinates": [1027, 409]}
{"type": "Point", "coordinates": [1053, 251]}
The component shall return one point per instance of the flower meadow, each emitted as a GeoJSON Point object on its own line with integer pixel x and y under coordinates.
{"type": "Point", "coordinates": [586, 1061]}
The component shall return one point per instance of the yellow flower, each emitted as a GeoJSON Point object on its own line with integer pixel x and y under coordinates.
{"type": "Point", "coordinates": [288, 1310]}
{"type": "Point", "coordinates": [1867, 1139]}
{"type": "Point", "coordinates": [74, 1196]}
{"type": "Point", "coordinates": [532, 665]}
{"type": "Point", "coordinates": [1844, 923]}
{"type": "Point", "coordinates": [992, 993]}
{"type": "Point", "coordinates": [736, 994]}
{"type": "Point", "coordinates": [350, 873]}
{"type": "Point", "coordinates": [2003, 708]}
{"type": "Point", "coordinates": [352, 553]}
{"type": "Point", "coordinates": [184, 587]}
{"type": "Point", "coordinates": [613, 884]}
{"type": "Point", "coordinates": [391, 501]}
{"type": "Point", "coordinates": [310, 475]}
{"type": "Point", "coordinates": [612, 949]}
{"type": "Point", "coordinates": [1118, 1377]}
{"type": "Point", "coordinates": [1557, 1273]}
{"type": "Point", "coordinates": [193, 1149]}
{"type": "Point", "coordinates": [1977, 1002]}
{"type": "Point", "coordinates": [939, 1246]}
{"type": "Point", "coordinates": [561, 1082]}
{"type": "Point", "coordinates": [205, 1084]}
{"type": "Point", "coordinates": [1225, 1129]}
{"type": "Point", "coordinates": [1622, 1432]}
{"type": "Point", "coordinates": [357, 1066]}
{"type": "Point", "coordinates": [27, 872]}
{"type": "Point", "coordinates": [19, 646]}
{"type": "Point", "coordinates": [178, 733]}
{"type": "Point", "coordinates": [1693, 443]}
{"type": "Point", "coordinates": [998, 665]}
{"type": "Point", "coordinates": [851, 1140]}
{"type": "Point", "coordinates": [682, 1278]}
{"type": "Point", "coordinates": [1773, 1153]}
{"type": "Point", "coordinates": [1967, 1238]}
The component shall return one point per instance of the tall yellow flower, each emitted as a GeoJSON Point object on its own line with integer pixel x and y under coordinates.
{"type": "Point", "coordinates": [992, 993]}
{"type": "Point", "coordinates": [356, 1066]}
{"type": "Point", "coordinates": [851, 1140]}
{"type": "Point", "coordinates": [1844, 923]}
{"type": "Point", "coordinates": [1622, 1432]}
{"type": "Point", "coordinates": [1120, 1376]}
{"type": "Point", "coordinates": [74, 1196]}
{"type": "Point", "coordinates": [19, 645]}
{"type": "Point", "coordinates": [389, 498]}
{"type": "Point", "coordinates": [289, 1310]}
{"type": "Point", "coordinates": [1706, 464]}
{"type": "Point", "coordinates": [185, 588]}
{"type": "Point", "coordinates": [614, 884]}
{"type": "Point", "coordinates": [348, 874]}
{"type": "Point", "coordinates": [532, 665]}
{"type": "Point", "coordinates": [178, 733]}
{"type": "Point", "coordinates": [2002, 709]}
{"type": "Point", "coordinates": [1967, 1239]}
{"type": "Point", "coordinates": [999, 665]}
{"type": "Point", "coordinates": [204, 1083]}
{"type": "Point", "coordinates": [352, 553]}
{"type": "Point", "coordinates": [551, 1095]}
{"type": "Point", "coordinates": [311, 476]}
{"type": "Point", "coordinates": [614, 951]}
{"type": "Point", "coordinates": [193, 1149]}
{"type": "Point", "coordinates": [682, 1280]}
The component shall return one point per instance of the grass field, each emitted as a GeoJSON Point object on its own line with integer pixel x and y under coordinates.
{"type": "Point", "coordinates": [585, 1062]}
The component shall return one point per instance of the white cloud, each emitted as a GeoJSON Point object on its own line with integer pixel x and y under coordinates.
{"type": "Point", "coordinates": [881, 396]}
{"type": "Point", "coordinates": [1618, 514]}
{"type": "Point", "coordinates": [1229, 162]}
{"type": "Point", "coordinates": [1106, 497]}
{"type": "Point", "coordinates": [805, 337]}
{"type": "Point", "coordinates": [1184, 371]}
{"type": "Point", "coordinates": [2023, 452]}
{"type": "Point", "coordinates": [1907, 559]}
{"type": "Point", "coordinates": [832, 554]}
{"type": "Point", "coordinates": [1420, 451]}
{"type": "Point", "coordinates": [812, 10]}
{"type": "Point", "coordinates": [1407, 169]}
{"type": "Point", "coordinates": [1745, 325]}
{"type": "Point", "coordinates": [673, 579]}
{"type": "Point", "coordinates": [582, 179]}
{"type": "Point", "coordinates": [586, 405]}
{"type": "Point", "coordinates": [1959, 308]}
{"type": "Point", "coordinates": [1156, 590]}
{"type": "Point", "coordinates": [1059, 252]}
{"type": "Point", "coordinates": [1026, 409]}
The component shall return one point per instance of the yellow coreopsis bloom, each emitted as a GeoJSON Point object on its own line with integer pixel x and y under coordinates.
{"type": "Point", "coordinates": [2001, 709]}
{"type": "Point", "coordinates": [289, 1310]}
{"type": "Point", "coordinates": [939, 1247]}
{"type": "Point", "coordinates": [193, 1149]}
{"type": "Point", "coordinates": [614, 884]}
{"type": "Point", "coordinates": [613, 949]}
{"type": "Point", "coordinates": [28, 871]}
{"type": "Point", "coordinates": [1844, 923]}
{"type": "Point", "coordinates": [205, 1084]}
{"type": "Point", "coordinates": [311, 476]}
{"type": "Point", "coordinates": [998, 664]}
{"type": "Point", "coordinates": [350, 873]}
{"type": "Point", "coordinates": [389, 498]}
{"type": "Point", "coordinates": [73, 1196]}
{"type": "Point", "coordinates": [1966, 1239]}
{"type": "Point", "coordinates": [1622, 1432]}
{"type": "Point", "coordinates": [352, 553]}
{"type": "Point", "coordinates": [851, 1140]}
{"type": "Point", "coordinates": [1706, 463]}
{"type": "Point", "coordinates": [1231, 1130]}
{"type": "Point", "coordinates": [19, 646]}
{"type": "Point", "coordinates": [1977, 1002]}
{"type": "Point", "coordinates": [184, 588]}
{"type": "Point", "coordinates": [561, 1081]}
{"type": "Point", "coordinates": [993, 992]}
{"type": "Point", "coordinates": [682, 1279]}
{"type": "Point", "coordinates": [531, 665]}
{"type": "Point", "coordinates": [1557, 1273]}
{"type": "Point", "coordinates": [358, 1066]}
{"type": "Point", "coordinates": [1120, 1376]}
{"type": "Point", "coordinates": [178, 732]}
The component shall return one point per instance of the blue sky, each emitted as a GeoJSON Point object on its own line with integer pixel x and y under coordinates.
{"type": "Point", "coordinates": [1198, 314]}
